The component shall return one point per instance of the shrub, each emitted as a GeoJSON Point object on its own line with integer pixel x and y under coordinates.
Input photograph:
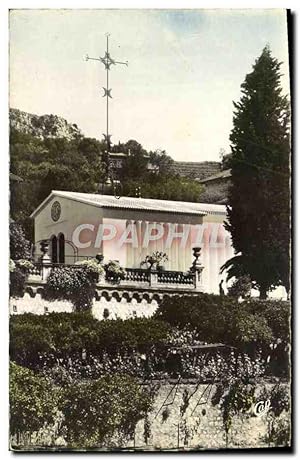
{"type": "Point", "coordinates": [19, 271]}
{"type": "Point", "coordinates": [98, 412]}
{"type": "Point", "coordinates": [33, 400]}
{"type": "Point", "coordinates": [17, 280]}
{"type": "Point", "coordinates": [223, 319]}
{"type": "Point", "coordinates": [114, 272]}
{"type": "Point", "coordinates": [277, 314]}
{"type": "Point", "coordinates": [75, 284]}
{"type": "Point", "coordinates": [92, 267]}
{"type": "Point", "coordinates": [24, 265]}
{"type": "Point", "coordinates": [19, 245]}
{"type": "Point", "coordinates": [28, 339]}
{"type": "Point", "coordinates": [241, 287]}
{"type": "Point", "coordinates": [67, 334]}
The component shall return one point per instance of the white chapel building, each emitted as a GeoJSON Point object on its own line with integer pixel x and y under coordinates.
{"type": "Point", "coordinates": [82, 225]}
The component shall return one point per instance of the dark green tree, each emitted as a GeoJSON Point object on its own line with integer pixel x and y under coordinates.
{"type": "Point", "coordinates": [259, 198]}
{"type": "Point", "coordinates": [33, 400]}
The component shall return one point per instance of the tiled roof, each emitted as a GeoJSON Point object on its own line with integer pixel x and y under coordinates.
{"type": "Point", "coordinates": [221, 175]}
{"type": "Point", "coordinates": [142, 204]}
{"type": "Point", "coordinates": [196, 170]}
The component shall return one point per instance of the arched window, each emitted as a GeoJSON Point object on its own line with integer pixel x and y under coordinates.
{"type": "Point", "coordinates": [61, 248]}
{"type": "Point", "coordinates": [54, 249]}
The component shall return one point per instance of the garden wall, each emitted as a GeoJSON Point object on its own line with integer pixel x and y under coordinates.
{"type": "Point", "coordinates": [101, 308]}
{"type": "Point", "coordinates": [199, 426]}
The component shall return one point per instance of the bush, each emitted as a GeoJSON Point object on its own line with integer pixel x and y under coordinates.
{"type": "Point", "coordinates": [19, 245]}
{"type": "Point", "coordinates": [67, 334]}
{"type": "Point", "coordinates": [114, 272]}
{"type": "Point", "coordinates": [19, 271]}
{"type": "Point", "coordinates": [33, 400]}
{"type": "Point", "coordinates": [277, 314]}
{"type": "Point", "coordinates": [92, 267]}
{"type": "Point", "coordinates": [99, 412]}
{"type": "Point", "coordinates": [223, 319]}
{"type": "Point", "coordinates": [74, 284]}
{"type": "Point", "coordinates": [17, 280]}
{"type": "Point", "coordinates": [241, 287]}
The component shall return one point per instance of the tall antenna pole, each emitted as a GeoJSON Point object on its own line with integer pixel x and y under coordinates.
{"type": "Point", "coordinates": [108, 62]}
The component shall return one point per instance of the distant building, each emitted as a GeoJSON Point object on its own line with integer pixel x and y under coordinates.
{"type": "Point", "coordinates": [116, 161]}
{"type": "Point", "coordinates": [196, 170]}
{"type": "Point", "coordinates": [217, 187]}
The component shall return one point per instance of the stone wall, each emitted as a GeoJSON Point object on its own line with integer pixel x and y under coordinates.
{"type": "Point", "coordinates": [201, 425]}
{"type": "Point", "coordinates": [101, 308]}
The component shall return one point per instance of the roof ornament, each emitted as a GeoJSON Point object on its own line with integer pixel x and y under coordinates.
{"type": "Point", "coordinates": [108, 61]}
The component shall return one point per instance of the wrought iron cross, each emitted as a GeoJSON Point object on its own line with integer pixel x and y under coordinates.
{"type": "Point", "coordinates": [108, 61]}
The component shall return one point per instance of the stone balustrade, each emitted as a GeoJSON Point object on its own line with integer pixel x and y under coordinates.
{"type": "Point", "coordinates": [134, 277]}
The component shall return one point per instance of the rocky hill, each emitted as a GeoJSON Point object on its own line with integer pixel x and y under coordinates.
{"type": "Point", "coordinates": [43, 125]}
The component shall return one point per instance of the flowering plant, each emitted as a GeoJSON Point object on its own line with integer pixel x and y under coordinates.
{"type": "Point", "coordinates": [155, 259]}
{"type": "Point", "coordinates": [25, 265]}
{"type": "Point", "coordinates": [91, 266]}
{"type": "Point", "coordinates": [70, 283]}
{"type": "Point", "coordinates": [114, 271]}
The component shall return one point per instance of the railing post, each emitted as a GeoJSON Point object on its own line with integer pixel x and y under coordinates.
{"type": "Point", "coordinates": [153, 279]}
{"type": "Point", "coordinates": [197, 268]}
{"type": "Point", "coordinates": [45, 259]}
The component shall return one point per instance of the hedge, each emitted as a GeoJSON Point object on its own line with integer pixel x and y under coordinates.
{"type": "Point", "coordinates": [65, 334]}
{"type": "Point", "coordinates": [223, 319]}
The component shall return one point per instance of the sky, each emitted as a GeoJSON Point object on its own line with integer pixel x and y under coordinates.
{"type": "Point", "coordinates": [185, 70]}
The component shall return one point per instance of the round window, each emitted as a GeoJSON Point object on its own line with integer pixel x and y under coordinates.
{"type": "Point", "coordinates": [55, 211]}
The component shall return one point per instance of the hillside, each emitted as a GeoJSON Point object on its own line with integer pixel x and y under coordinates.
{"type": "Point", "coordinates": [43, 126]}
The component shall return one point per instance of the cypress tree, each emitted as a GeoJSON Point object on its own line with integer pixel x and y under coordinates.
{"type": "Point", "coordinates": [259, 197]}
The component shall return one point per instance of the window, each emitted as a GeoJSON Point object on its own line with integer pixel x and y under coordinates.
{"type": "Point", "coordinates": [61, 248]}
{"type": "Point", "coordinates": [54, 249]}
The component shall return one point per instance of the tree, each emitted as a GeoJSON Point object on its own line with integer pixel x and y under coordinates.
{"type": "Point", "coordinates": [162, 162]}
{"type": "Point", "coordinates": [19, 245]}
{"type": "Point", "coordinates": [259, 198]}
{"type": "Point", "coordinates": [33, 400]}
{"type": "Point", "coordinates": [98, 411]}
{"type": "Point", "coordinates": [135, 163]}
{"type": "Point", "coordinates": [48, 164]}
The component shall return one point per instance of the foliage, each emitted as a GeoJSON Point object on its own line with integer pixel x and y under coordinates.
{"type": "Point", "coordinates": [241, 287]}
{"type": "Point", "coordinates": [259, 222]}
{"type": "Point", "coordinates": [19, 271]}
{"type": "Point", "coordinates": [75, 284]}
{"type": "Point", "coordinates": [155, 259]}
{"type": "Point", "coordinates": [74, 346]}
{"type": "Point", "coordinates": [164, 187]}
{"type": "Point", "coordinates": [17, 280]}
{"type": "Point", "coordinates": [25, 265]}
{"type": "Point", "coordinates": [279, 429]}
{"type": "Point", "coordinates": [100, 410]}
{"type": "Point", "coordinates": [248, 325]}
{"type": "Point", "coordinates": [114, 272]}
{"type": "Point", "coordinates": [279, 433]}
{"type": "Point", "coordinates": [234, 398]}
{"type": "Point", "coordinates": [65, 335]}
{"type": "Point", "coordinates": [19, 245]}
{"type": "Point", "coordinates": [162, 162]}
{"type": "Point", "coordinates": [49, 164]}
{"type": "Point", "coordinates": [33, 400]}
{"type": "Point", "coordinates": [92, 266]}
